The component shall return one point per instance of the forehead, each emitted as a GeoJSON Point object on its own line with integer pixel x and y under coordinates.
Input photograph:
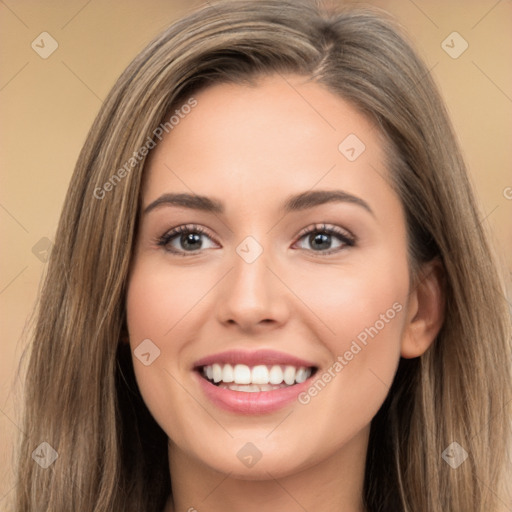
{"type": "Point", "coordinates": [281, 135]}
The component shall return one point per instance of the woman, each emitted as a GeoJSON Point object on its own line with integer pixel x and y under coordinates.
{"type": "Point", "coordinates": [195, 350]}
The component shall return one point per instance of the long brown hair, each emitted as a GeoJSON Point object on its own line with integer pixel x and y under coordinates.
{"type": "Point", "coordinates": [81, 394]}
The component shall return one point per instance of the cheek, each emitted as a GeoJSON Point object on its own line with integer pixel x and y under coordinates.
{"type": "Point", "coordinates": [162, 305]}
{"type": "Point", "coordinates": [154, 306]}
{"type": "Point", "coordinates": [363, 308]}
{"type": "Point", "coordinates": [355, 301]}
{"type": "Point", "coordinates": [159, 297]}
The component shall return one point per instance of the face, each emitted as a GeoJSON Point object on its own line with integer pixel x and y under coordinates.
{"type": "Point", "coordinates": [258, 322]}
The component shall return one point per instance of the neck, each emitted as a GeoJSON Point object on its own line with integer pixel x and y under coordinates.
{"type": "Point", "coordinates": [334, 484]}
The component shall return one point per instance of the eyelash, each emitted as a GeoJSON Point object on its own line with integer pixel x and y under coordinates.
{"type": "Point", "coordinates": [344, 236]}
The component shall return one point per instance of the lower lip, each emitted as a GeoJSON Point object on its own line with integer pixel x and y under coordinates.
{"type": "Point", "coordinates": [258, 402]}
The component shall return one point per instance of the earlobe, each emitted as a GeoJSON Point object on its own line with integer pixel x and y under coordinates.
{"type": "Point", "coordinates": [426, 310]}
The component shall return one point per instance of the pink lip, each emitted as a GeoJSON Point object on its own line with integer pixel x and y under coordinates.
{"type": "Point", "coordinates": [262, 356]}
{"type": "Point", "coordinates": [251, 403]}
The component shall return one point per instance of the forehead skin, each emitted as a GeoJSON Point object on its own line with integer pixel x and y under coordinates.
{"type": "Point", "coordinates": [268, 141]}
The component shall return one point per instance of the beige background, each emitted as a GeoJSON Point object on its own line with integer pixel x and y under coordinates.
{"type": "Point", "coordinates": [48, 105]}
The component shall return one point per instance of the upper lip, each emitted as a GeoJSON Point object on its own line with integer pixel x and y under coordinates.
{"type": "Point", "coordinates": [253, 358]}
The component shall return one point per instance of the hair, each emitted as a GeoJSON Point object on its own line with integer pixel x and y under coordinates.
{"type": "Point", "coordinates": [81, 393]}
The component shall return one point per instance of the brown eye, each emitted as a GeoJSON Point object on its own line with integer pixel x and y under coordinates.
{"type": "Point", "coordinates": [184, 239]}
{"type": "Point", "coordinates": [321, 239]}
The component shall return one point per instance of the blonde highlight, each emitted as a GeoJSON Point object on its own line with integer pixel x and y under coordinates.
{"type": "Point", "coordinates": [81, 393]}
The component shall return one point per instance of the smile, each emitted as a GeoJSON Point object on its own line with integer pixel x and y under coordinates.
{"type": "Point", "coordinates": [257, 378]}
{"type": "Point", "coordinates": [253, 382]}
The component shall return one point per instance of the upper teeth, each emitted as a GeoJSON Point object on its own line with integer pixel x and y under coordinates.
{"type": "Point", "coordinates": [260, 374]}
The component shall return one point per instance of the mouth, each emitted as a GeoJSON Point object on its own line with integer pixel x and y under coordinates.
{"type": "Point", "coordinates": [257, 378]}
{"type": "Point", "coordinates": [255, 382]}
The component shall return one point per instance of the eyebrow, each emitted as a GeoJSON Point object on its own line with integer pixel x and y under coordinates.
{"type": "Point", "coordinates": [298, 202]}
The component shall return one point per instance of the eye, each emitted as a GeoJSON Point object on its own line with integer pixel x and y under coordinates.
{"type": "Point", "coordinates": [188, 238]}
{"type": "Point", "coordinates": [320, 236]}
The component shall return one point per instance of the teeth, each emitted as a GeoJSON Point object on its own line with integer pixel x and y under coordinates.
{"type": "Point", "coordinates": [276, 375]}
{"type": "Point", "coordinates": [301, 375]}
{"type": "Point", "coordinates": [217, 373]}
{"type": "Point", "coordinates": [251, 388]}
{"type": "Point", "coordinates": [242, 374]}
{"type": "Point", "coordinates": [259, 374]}
{"type": "Point", "coordinates": [258, 378]}
{"type": "Point", "coordinates": [289, 375]}
{"type": "Point", "coordinates": [227, 373]}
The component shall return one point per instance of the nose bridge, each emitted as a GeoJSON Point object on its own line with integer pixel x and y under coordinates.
{"type": "Point", "coordinates": [251, 276]}
{"type": "Point", "coordinates": [252, 293]}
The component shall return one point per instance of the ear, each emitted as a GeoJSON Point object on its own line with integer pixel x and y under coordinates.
{"type": "Point", "coordinates": [425, 312]}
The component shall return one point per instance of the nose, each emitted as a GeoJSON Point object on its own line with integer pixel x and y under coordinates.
{"type": "Point", "coordinates": [252, 296]}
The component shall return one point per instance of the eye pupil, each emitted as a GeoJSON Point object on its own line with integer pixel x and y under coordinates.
{"type": "Point", "coordinates": [322, 239]}
{"type": "Point", "coordinates": [190, 238]}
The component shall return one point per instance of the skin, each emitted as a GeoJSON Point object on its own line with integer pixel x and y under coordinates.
{"type": "Point", "coordinates": [252, 147]}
